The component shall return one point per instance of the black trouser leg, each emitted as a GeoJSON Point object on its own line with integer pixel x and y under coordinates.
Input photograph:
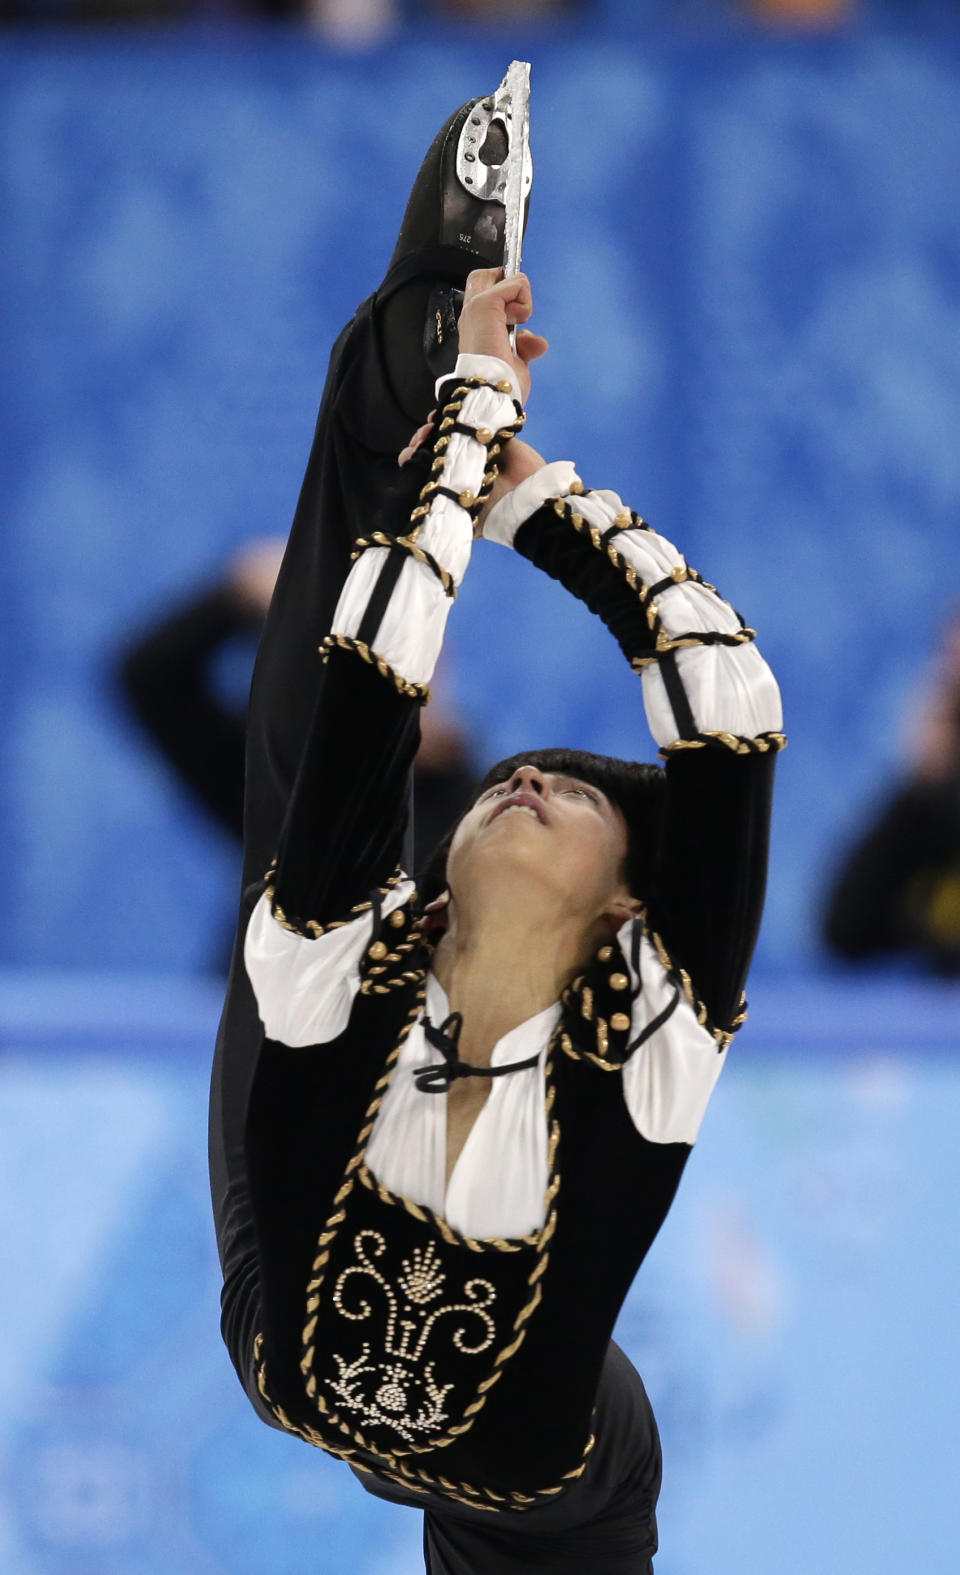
{"type": "Point", "coordinates": [604, 1524]}
{"type": "Point", "coordinates": [359, 432]}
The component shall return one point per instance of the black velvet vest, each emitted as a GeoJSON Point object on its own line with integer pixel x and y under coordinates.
{"type": "Point", "coordinates": [460, 1366]}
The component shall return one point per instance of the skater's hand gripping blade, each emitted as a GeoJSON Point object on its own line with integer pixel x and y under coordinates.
{"type": "Point", "coordinates": [493, 156]}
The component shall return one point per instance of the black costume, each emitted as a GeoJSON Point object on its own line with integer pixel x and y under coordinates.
{"type": "Point", "coordinates": [532, 1444]}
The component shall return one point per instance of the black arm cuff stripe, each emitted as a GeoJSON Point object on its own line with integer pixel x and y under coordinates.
{"type": "Point", "coordinates": [380, 599]}
{"type": "Point", "coordinates": [677, 695]}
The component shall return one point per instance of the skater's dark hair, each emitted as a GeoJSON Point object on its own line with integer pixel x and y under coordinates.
{"type": "Point", "coordinates": [637, 789]}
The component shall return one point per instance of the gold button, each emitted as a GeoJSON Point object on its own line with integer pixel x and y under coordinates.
{"type": "Point", "coordinates": [618, 981]}
{"type": "Point", "coordinates": [504, 387]}
{"type": "Point", "coordinates": [398, 918]}
{"type": "Point", "coordinates": [467, 500]}
{"type": "Point", "coordinates": [620, 1022]}
{"type": "Point", "coordinates": [604, 954]}
{"type": "Point", "coordinates": [378, 950]}
{"type": "Point", "coordinates": [484, 435]}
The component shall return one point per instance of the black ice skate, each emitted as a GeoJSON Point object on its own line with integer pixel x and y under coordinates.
{"type": "Point", "coordinates": [467, 210]}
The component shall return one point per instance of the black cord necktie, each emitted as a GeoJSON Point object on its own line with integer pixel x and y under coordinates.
{"type": "Point", "coordinates": [437, 1078]}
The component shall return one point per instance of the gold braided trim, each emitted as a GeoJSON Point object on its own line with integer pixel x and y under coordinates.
{"type": "Point", "coordinates": [402, 1474]}
{"type": "Point", "coordinates": [680, 642]}
{"type": "Point", "coordinates": [311, 927]}
{"type": "Point", "coordinates": [541, 1240]}
{"type": "Point", "coordinates": [343, 642]}
{"type": "Point", "coordinates": [569, 1049]}
{"type": "Point", "coordinates": [472, 502]}
{"type": "Point", "coordinates": [392, 1466]}
{"type": "Point", "coordinates": [761, 744]}
{"type": "Point", "coordinates": [396, 981]}
{"type": "Point", "coordinates": [723, 1036]}
{"type": "Point", "coordinates": [454, 1237]}
{"type": "Point", "coordinates": [682, 572]}
{"type": "Point", "coordinates": [379, 971]}
{"type": "Point", "coordinates": [379, 538]}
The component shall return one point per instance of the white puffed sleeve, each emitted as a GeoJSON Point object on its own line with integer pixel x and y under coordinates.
{"type": "Point", "coordinates": [305, 988]}
{"type": "Point", "coordinates": [410, 631]}
{"type": "Point", "coordinates": [702, 675]}
{"type": "Point", "coordinates": [668, 1080]}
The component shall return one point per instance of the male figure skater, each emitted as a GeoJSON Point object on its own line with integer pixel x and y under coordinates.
{"type": "Point", "coordinates": [447, 1124]}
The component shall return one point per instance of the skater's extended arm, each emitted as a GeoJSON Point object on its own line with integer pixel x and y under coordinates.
{"type": "Point", "coordinates": [343, 831]}
{"type": "Point", "coordinates": [711, 702]}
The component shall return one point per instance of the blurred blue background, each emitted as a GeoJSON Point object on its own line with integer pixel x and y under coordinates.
{"type": "Point", "coordinates": [745, 246]}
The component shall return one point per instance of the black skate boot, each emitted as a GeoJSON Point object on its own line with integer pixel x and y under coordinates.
{"type": "Point", "coordinates": [454, 222]}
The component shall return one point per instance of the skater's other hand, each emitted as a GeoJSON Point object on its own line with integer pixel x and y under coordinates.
{"type": "Point", "coordinates": [419, 437]}
{"type": "Point", "coordinates": [518, 461]}
{"type": "Point", "coordinates": [492, 305]}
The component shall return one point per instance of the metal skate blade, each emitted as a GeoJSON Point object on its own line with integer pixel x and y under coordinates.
{"type": "Point", "coordinates": [501, 126]}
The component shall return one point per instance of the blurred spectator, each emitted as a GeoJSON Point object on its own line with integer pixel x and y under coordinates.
{"type": "Point", "coordinates": [169, 676]}
{"type": "Point", "coordinates": [899, 887]}
{"type": "Point", "coordinates": [804, 13]}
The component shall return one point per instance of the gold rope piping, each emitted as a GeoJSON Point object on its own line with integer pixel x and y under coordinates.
{"type": "Point", "coordinates": [493, 442]}
{"type": "Point", "coordinates": [666, 642]}
{"type": "Point", "coordinates": [379, 538]}
{"type": "Point", "coordinates": [343, 642]}
{"type": "Point", "coordinates": [312, 927]}
{"type": "Point", "coordinates": [379, 960]}
{"type": "Point", "coordinates": [420, 1211]}
{"type": "Point", "coordinates": [336, 1219]}
{"type": "Point", "coordinates": [761, 744]}
{"type": "Point", "coordinates": [681, 572]}
{"type": "Point", "coordinates": [393, 1463]}
{"type": "Point", "coordinates": [723, 1036]}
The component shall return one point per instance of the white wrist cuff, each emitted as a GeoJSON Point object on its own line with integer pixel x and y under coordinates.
{"type": "Point", "coordinates": [411, 630]}
{"type": "Point", "coordinates": [489, 367]}
{"type": "Point", "coordinates": [506, 517]}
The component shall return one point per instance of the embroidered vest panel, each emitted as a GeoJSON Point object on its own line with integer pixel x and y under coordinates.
{"type": "Point", "coordinates": [407, 1331]}
{"type": "Point", "coordinates": [469, 1368]}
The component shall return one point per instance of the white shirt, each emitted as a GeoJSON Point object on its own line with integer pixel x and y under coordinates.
{"type": "Point", "coordinates": [305, 992]}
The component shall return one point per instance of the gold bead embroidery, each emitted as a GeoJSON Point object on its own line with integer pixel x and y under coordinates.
{"type": "Point", "coordinates": [619, 1022]}
{"type": "Point", "coordinates": [378, 950]}
{"type": "Point", "coordinates": [398, 919]}
{"type": "Point", "coordinates": [604, 954]}
{"type": "Point", "coordinates": [619, 981]}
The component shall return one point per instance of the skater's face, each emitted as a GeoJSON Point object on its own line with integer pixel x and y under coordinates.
{"type": "Point", "coordinates": [544, 838]}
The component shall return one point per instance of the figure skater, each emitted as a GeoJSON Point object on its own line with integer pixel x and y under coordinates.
{"type": "Point", "coordinates": [448, 1119]}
